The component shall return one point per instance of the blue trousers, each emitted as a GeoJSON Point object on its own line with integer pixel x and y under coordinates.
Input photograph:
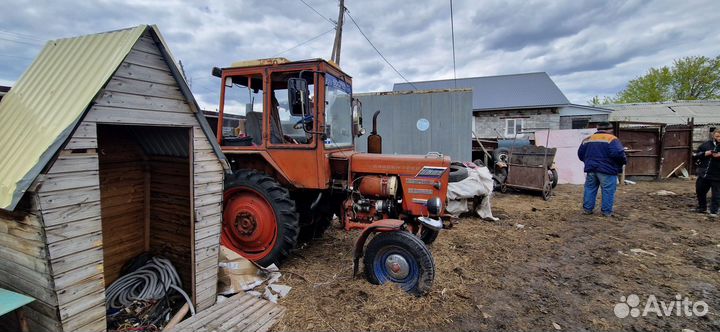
{"type": "Point", "coordinates": [608, 183]}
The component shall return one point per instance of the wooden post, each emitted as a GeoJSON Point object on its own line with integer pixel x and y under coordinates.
{"type": "Point", "coordinates": [487, 155]}
{"type": "Point", "coordinates": [191, 166]}
{"type": "Point", "coordinates": [148, 195]}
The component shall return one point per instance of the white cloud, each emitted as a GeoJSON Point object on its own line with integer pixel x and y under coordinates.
{"type": "Point", "coordinates": [588, 47]}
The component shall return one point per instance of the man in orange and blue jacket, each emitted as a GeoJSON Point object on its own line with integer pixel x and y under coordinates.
{"type": "Point", "coordinates": [604, 156]}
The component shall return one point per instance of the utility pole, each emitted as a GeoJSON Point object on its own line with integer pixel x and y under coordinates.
{"type": "Point", "coordinates": [335, 57]}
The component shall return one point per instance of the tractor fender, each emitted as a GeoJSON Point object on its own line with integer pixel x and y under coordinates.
{"type": "Point", "coordinates": [260, 161]}
{"type": "Point", "coordinates": [380, 226]}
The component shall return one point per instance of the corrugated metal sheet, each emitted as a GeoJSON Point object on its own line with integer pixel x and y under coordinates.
{"type": "Point", "coordinates": [530, 90]}
{"type": "Point", "coordinates": [166, 142]}
{"type": "Point", "coordinates": [446, 116]}
{"type": "Point", "coordinates": [41, 110]}
{"type": "Point", "coordinates": [579, 110]}
{"type": "Point", "coordinates": [675, 112]}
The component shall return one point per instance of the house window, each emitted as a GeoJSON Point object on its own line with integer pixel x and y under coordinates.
{"type": "Point", "coordinates": [513, 127]}
{"type": "Point", "coordinates": [580, 123]}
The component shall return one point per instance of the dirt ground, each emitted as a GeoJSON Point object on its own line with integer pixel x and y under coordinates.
{"type": "Point", "coordinates": [559, 270]}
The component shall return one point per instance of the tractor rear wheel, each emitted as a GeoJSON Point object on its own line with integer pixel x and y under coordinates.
{"type": "Point", "coordinates": [400, 257]}
{"type": "Point", "coordinates": [259, 218]}
{"type": "Point", "coordinates": [314, 222]}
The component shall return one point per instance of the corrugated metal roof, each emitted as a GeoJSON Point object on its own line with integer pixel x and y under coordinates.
{"type": "Point", "coordinates": [43, 107]}
{"type": "Point", "coordinates": [672, 112]}
{"type": "Point", "coordinates": [166, 142]}
{"type": "Point", "coordinates": [529, 90]}
{"type": "Point", "coordinates": [47, 102]}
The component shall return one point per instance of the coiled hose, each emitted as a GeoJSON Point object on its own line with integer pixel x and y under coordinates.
{"type": "Point", "coordinates": [150, 282]}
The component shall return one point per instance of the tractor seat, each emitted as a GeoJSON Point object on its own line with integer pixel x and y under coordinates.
{"type": "Point", "coordinates": [253, 126]}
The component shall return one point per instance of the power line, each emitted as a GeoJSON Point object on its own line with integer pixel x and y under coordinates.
{"type": "Point", "coordinates": [317, 12]}
{"type": "Point", "coordinates": [305, 42]}
{"type": "Point", "coordinates": [21, 42]}
{"type": "Point", "coordinates": [452, 31]}
{"type": "Point", "coordinates": [378, 51]}
{"type": "Point", "coordinates": [16, 56]}
{"type": "Point", "coordinates": [21, 35]}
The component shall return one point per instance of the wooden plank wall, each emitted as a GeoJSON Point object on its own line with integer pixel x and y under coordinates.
{"type": "Point", "coordinates": [170, 222]}
{"type": "Point", "coordinates": [122, 193]}
{"type": "Point", "coordinates": [69, 196]}
{"type": "Point", "coordinates": [24, 264]}
{"type": "Point", "coordinates": [207, 191]}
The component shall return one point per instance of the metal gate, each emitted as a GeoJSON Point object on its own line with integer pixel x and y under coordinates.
{"type": "Point", "coordinates": [655, 149]}
{"type": "Point", "coordinates": [677, 145]}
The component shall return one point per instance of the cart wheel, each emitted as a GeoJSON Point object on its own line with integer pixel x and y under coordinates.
{"type": "Point", "coordinates": [402, 258]}
{"type": "Point", "coordinates": [547, 190]}
{"type": "Point", "coordinates": [499, 178]}
{"type": "Point", "coordinates": [552, 173]}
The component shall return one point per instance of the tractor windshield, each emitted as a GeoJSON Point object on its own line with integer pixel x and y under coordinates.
{"type": "Point", "coordinates": [338, 113]}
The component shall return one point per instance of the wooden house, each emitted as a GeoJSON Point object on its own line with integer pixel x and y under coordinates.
{"type": "Point", "coordinates": [105, 154]}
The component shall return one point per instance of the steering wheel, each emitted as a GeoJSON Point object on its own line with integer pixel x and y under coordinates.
{"type": "Point", "coordinates": [308, 119]}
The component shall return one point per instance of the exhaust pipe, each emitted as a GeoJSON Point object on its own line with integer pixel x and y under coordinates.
{"type": "Point", "coordinates": [374, 142]}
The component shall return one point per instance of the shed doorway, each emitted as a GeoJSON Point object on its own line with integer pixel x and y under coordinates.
{"type": "Point", "coordinates": [145, 197]}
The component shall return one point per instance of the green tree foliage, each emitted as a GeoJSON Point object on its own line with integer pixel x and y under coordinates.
{"type": "Point", "coordinates": [690, 78]}
{"type": "Point", "coordinates": [654, 86]}
{"type": "Point", "coordinates": [696, 78]}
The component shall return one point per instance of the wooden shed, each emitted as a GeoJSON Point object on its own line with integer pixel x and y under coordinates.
{"type": "Point", "coordinates": [105, 154]}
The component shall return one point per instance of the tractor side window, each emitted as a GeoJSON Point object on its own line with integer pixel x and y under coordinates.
{"type": "Point", "coordinates": [243, 111]}
{"type": "Point", "coordinates": [286, 128]}
{"type": "Point", "coordinates": [338, 113]}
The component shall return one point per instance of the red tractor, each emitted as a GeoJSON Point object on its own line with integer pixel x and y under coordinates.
{"type": "Point", "coordinates": [288, 131]}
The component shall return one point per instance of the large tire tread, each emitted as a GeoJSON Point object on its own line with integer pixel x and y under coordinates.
{"type": "Point", "coordinates": [501, 155]}
{"type": "Point", "coordinates": [411, 244]}
{"type": "Point", "coordinates": [284, 207]}
{"type": "Point", "coordinates": [458, 172]}
{"type": "Point", "coordinates": [313, 224]}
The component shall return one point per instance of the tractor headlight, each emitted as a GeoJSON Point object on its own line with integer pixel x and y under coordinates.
{"type": "Point", "coordinates": [434, 206]}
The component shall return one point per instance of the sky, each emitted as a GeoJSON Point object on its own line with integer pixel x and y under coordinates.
{"type": "Point", "coordinates": [588, 48]}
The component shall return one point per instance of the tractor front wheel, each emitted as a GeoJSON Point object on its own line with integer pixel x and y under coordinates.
{"type": "Point", "coordinates": [259, 218]}
{"type": "Point", "coordinates": [402, 258]}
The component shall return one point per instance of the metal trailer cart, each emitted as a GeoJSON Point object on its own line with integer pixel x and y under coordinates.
{"type": "Point", "coordinates": [530, 167]}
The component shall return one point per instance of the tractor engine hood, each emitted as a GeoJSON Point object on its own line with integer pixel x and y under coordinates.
{"type": "Point", "coordinates": [393, 164]}
{"type": "Point", "coordinates": [423, 179]}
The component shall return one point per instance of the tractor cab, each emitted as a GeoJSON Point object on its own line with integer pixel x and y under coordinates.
{"type": "Point", "coordinates": [292, 112]}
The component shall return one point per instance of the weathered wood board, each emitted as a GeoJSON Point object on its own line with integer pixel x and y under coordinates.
{"type": "Point", "coordinates": [240, 312]}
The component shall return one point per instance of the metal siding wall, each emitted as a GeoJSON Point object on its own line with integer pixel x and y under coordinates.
{"type": "Point", "coordinates": [449, 114]}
